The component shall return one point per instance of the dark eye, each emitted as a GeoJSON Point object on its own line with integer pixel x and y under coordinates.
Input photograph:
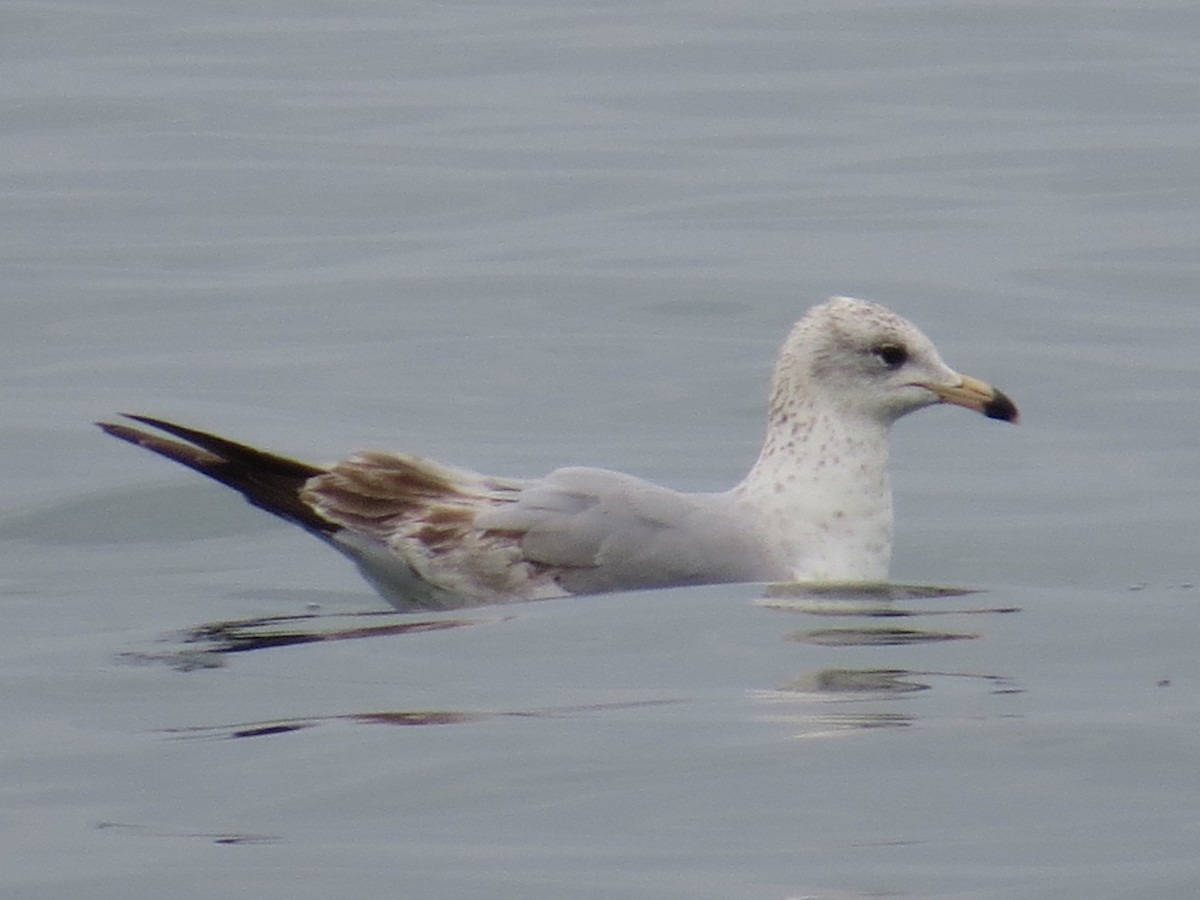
{"type": "Point", "coordinates": [892, 355]}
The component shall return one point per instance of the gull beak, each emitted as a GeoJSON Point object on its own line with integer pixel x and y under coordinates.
{"type": "Point", "coordinates": [975, 394]}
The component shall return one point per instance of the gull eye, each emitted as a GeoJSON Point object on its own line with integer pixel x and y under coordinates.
{"type": "Point", "coordinates": [891, 355]}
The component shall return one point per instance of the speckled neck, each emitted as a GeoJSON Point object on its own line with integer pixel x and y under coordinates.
{"type": "Point", "coordinates": [819, 491]}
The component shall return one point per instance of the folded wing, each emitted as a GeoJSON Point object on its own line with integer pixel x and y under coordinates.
{"type": "Point", "coordinates": [433, 536]}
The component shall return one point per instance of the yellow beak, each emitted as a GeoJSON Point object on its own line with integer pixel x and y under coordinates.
{"type": "Point", "coordinates": [977, 395]}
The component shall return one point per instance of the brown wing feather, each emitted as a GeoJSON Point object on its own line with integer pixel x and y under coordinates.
{"type": "Point", "coordinates": [407, 523]}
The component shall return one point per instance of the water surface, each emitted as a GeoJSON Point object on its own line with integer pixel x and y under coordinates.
{"type": "Point", "coordinates": [521, 236]}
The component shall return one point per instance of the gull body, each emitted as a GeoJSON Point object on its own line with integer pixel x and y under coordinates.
{"type": "Point", "coordinates": [815, 506]}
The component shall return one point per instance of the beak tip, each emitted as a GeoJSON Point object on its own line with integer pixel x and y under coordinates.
{"type": "Point", "coordinates": [1002, 408]}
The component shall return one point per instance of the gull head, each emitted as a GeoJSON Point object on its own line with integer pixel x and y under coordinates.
{"type": "Point", "coordinates": [862, 361]}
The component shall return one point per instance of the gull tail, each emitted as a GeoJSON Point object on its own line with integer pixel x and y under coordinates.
{"type": "Point", "coordinates": [268, 481]}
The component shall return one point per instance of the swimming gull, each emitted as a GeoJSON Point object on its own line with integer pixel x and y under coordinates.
{"type": "Point", "coordinates": [815, 506]}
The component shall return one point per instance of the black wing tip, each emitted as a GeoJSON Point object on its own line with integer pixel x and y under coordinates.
{"type": "Point", "coordinates": [180, 452]}
{"type": "Point", "coordinates": [121, 430]}
{"type": "Point", "coordinates": [220, 447]}
{"type": "Point", "coordinates": [135, 435]}
{"type": "Point", "coordinates": [267, 480]}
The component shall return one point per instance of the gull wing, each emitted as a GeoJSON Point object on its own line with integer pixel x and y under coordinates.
{"type": "Point", "coordinates": [600, 530]}
{"type": "Point", "coordinates": [432, 536]}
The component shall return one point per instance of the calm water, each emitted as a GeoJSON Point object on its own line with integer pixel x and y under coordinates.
{"type": "Point", "coordinates": [526, 235]}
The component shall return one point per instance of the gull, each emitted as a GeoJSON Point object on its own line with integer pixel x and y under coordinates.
{"type": "Point", "coordinates": [815, 506]}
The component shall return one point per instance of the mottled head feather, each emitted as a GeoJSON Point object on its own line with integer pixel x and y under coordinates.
{"type": "Point", "coordinates": [833, 353]}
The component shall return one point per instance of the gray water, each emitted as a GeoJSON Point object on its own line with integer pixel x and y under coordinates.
{"type": "Point", "coordinates": [517, 236]}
